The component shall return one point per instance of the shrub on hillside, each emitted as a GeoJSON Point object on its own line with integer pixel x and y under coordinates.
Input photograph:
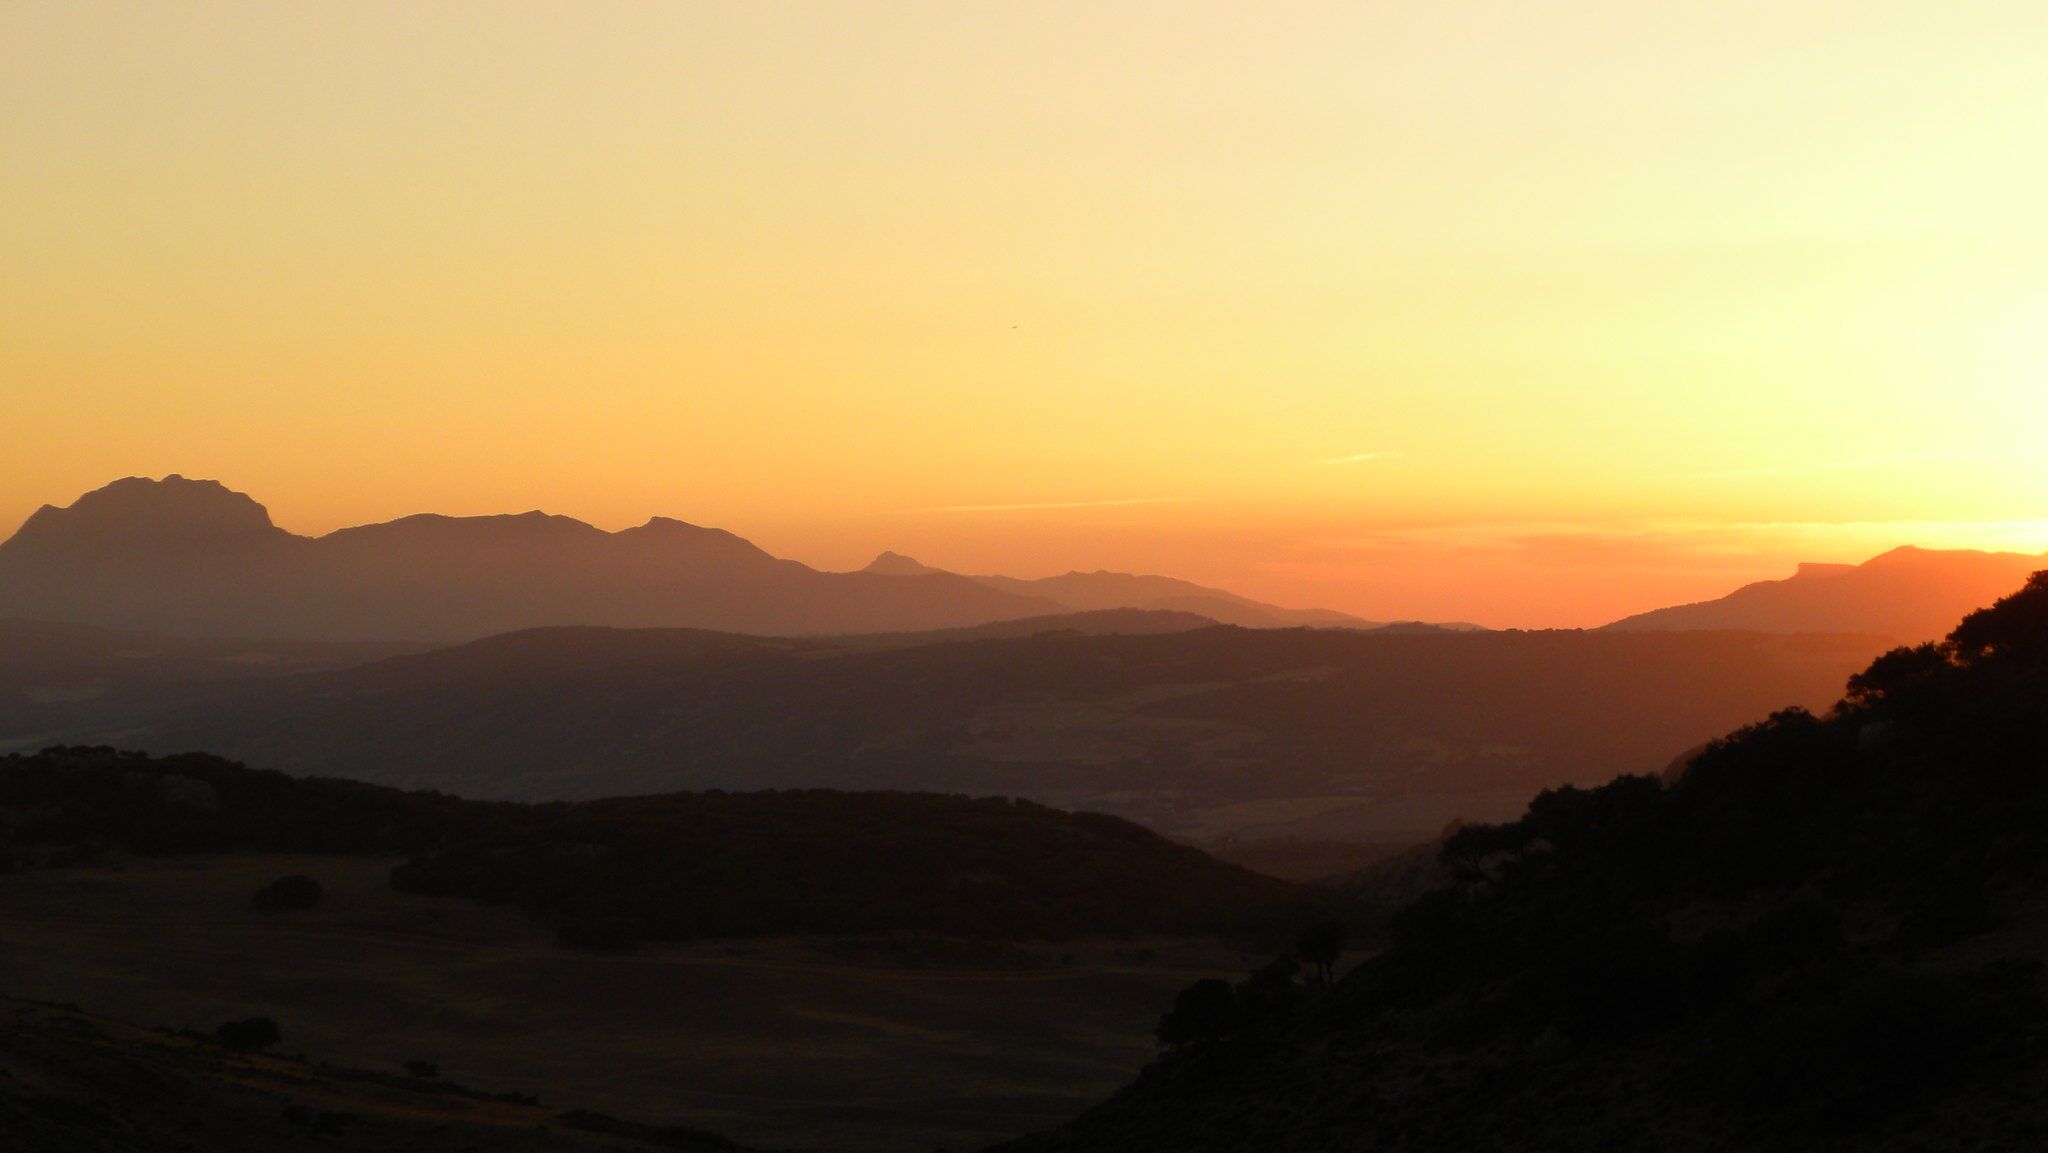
{"type": "Point", "coordinates": [248, 1035]}
{"type": "Point", "coordinates": [286, 893]}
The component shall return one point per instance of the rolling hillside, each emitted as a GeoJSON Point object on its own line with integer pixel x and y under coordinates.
{"type": "Point", "coordinates": [673, 867]}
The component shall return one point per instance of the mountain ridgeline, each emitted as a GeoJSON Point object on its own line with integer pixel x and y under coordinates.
{"type": "Point", "coordinates": [1824, 933]}
{"type": "Point", "coordinates": [193, 558]}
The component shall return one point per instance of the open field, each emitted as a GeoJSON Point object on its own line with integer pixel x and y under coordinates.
{"type": "Point", "coordinates": [808, 1043]}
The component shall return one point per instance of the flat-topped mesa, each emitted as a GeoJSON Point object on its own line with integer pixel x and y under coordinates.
{"type": "Point", "coordinates": [139, 509]}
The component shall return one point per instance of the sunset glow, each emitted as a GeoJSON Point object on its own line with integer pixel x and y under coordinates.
{"type": "Point", "coordinates": [1485, 311]}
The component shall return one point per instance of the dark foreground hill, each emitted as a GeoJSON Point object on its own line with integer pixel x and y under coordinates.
{"type": "Point", "coordinates": [1206, 733]}
{"type": "Point", "coordinates": [1825, 934]}
{"type": "Point", "coordinates": [1908, 594]}
{"type": "Point", "coordinates": [673, 867]}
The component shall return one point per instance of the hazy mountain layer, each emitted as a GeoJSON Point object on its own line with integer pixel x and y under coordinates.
{"type": "Point", "coordinates": [1209, 733]}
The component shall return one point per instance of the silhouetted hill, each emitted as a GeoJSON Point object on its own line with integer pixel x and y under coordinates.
{"type": "Point", "coordinates": [1308, 734]}
{"type": "Point", "coordinates": [171, 511]}
{"type": "Point", "coordinates": [1825, 933]}
{"type": "Point", "coordinates": [1101, 591]}
{"type": "Point", "coordinates": [668, 867]}
{"type": "Point", "coordinates": [193, 558]}
{"type": "Point", "coordinates": [1908, 594]}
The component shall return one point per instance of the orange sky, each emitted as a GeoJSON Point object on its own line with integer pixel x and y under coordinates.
{"type": "Point", "coordinates": [1521, 313]}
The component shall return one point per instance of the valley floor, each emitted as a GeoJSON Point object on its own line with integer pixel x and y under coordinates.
{"type": "Point", "coordinates": [847, 1043]}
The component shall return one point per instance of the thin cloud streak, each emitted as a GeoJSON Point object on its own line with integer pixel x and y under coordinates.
{"type": "Point", "coordinates": [1359, 458]}
{"type": "Point", "coordinates": [1819, 467]}
{"type": "Point", "coordinates": [1052, 505]}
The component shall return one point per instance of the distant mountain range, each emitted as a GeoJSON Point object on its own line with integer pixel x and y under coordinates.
{"type": "Point", "coordinates": [1908, 594]}
{"type": "Point", "coordinates": [194, 558]}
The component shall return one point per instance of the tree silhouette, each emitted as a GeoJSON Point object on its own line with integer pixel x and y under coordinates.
{"type": "Point", "coordinates": [2015, 628]}
{"type": "Point", "coordinates": [1320, 944]}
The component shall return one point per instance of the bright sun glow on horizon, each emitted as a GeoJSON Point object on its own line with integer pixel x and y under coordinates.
{"type": "Point", "coordinates": [1522, 314]}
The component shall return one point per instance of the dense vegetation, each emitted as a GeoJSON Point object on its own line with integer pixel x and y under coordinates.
{"type": "Point", "coordinates": [666, 867]}
{"type": "Point", "coordinates": [1826, 932]}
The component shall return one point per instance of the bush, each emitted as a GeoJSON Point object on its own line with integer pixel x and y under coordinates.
{"type": "Point", "coordinates": [285, 893]}
{"type": "Point", "coordinates": [248, 1035]}
{"type": "Point", "coordinates": [602, 934]}
{"type": "Point", "coordinates": [1205, 1009]}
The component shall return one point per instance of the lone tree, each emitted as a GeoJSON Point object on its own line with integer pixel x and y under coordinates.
{"type": "Point", "coordinates": [293, 892]}
{"type": "Point", "coordinates": [248, 1035]}
{"type": "Point", "coordinates": [1321, 944]}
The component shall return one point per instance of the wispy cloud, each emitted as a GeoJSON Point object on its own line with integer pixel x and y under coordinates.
{"type": "Point", "coordinates": [1817, 467]}
{"type": "Point", "coordinates": [1041, 505]}
{"type": "Point", "coordinates": [1359, 458]}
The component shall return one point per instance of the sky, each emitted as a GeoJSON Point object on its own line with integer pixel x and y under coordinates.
{"type": "Point", "coordinates": [1523, 313]}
